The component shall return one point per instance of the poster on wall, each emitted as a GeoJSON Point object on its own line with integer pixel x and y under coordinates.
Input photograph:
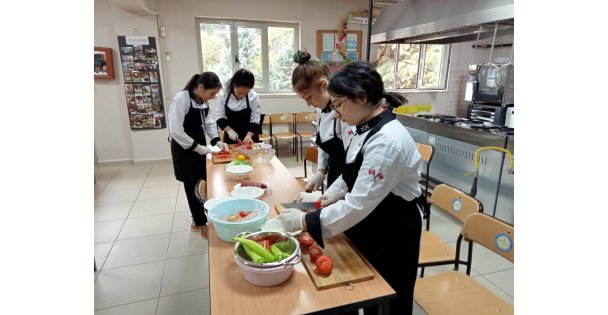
{"type": "Point", "coordinates": [139, 64]}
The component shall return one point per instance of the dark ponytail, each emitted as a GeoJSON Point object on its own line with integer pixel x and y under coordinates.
{"type": "Point", "coordinates": [209, 80]}
{"type": "Point", "coordinates": [358, 81]}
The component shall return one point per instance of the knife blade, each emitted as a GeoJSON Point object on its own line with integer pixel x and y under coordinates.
{"type": "Point", "coordinates": [303, 205]}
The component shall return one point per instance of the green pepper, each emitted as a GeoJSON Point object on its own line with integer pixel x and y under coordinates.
{"type": "Point", "coordinates": [286, 247]}
{"type": "Point", "coordinates": [278, 254]}
{"type": "Point", "coordinates": [254, 257]}
{"type": "Point", "coordinates": [256, 248]}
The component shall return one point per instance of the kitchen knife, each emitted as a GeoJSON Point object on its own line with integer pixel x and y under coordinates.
{"type": "Point", "coordinates": [303, 205]}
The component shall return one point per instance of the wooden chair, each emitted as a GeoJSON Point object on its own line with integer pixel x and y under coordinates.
{"type": "Point", "coordinates": [433, 250]}
{"type": "Point", "coordinates": [312, 155]}
{"type": "Point", "coordinates": [454, 292]}
{"type": "Point", "coordinates": [426, 153]}
{"type": "Point", "coordinates": [305, 120]}
{"type": "Point", "coordinates": [283, 122]}
{"type": "Point", "coordinates": [265, 123]}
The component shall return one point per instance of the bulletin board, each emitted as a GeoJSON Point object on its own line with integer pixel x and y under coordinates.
{"type": "Point", "coordinates": [329, 46]}
{"type": "Point", "coordinates": [139, 63]}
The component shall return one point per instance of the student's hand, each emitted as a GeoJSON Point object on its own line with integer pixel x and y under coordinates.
{"type": "Point", "coordinates": [201, 149]}
{"type": "Point", "coordinates": [308, 197]}
{"type": "Point", "coordinates": [331, 197]}
{"type": "Point", "coordinates": [232, 134]}
{"type": "Point", "coordinates": [248, 139]}
{"type": "Point", "coordinates": [222, 145]}
{"type": "Point", "coordinates": [316, 181]}
{"type": "Point", "coordinates": [291, 219]}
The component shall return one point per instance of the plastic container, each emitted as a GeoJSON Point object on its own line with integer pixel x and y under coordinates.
{"type": "Point", "coordinates": [227, 230]}
{"type": "Point", "coordinates": [262, 156]}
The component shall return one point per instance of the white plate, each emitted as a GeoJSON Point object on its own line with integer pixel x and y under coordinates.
{"type": "Point", "coordinates": [275, 225]}
{"type": "Point", "coordinates": [239, 169]}
{"type": "Point", "coordinates": [247, 192]}
{"type": "Point", "coordinates": [268, 188]}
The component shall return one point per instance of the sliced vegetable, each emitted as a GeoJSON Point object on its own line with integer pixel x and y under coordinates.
{"type": "Point", "coordinates": [306, 240]}
{"type": "Point", "coordinates": [315, 252]}
{"type": "Point", "coordinates": [324, 265]}
{"type": "Point", "coordinates": [285, 247]}
{"type": "Point", "coordinates": [265, 244]}
{"type": "Point", "coordinates": [256, 248]}
{"type": "Point", "coordinates": [278, 254]}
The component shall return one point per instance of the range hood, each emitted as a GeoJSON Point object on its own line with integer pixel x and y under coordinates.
{"type": "Point", "coordinates": [443, 21]}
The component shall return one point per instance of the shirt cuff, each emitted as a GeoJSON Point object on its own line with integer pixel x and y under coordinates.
{"type": "Point", "coordinates": [214, 140]}
{"type": "Point", "coordinates": [313, 226]}
{"type": "Point", "coordinates": [222, 123]}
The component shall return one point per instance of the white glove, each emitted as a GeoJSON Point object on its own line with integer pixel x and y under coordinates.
{"type": "Point", "coordinates": [291, 219]}
{"type": "Point", "coordinates": [248, 139]}
{"type": "Point", "coordinates": [331, 197]}
{"type": "Point", "coordinates": [316, 181]}
{"type": "Point", "coordinates": [201, 149]}
{"type": "Point", "coordinates": [232, 134]}
{"type": "Point", "coordinates": [222, 145]}
{"type": "Point", "coordinates": [308, 197]}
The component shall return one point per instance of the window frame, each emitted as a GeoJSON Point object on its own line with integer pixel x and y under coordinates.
{"type": "Point", "coordinates": [234, 24]}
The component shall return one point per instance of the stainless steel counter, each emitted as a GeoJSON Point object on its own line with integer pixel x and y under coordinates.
{"type": "Point", "coordinates": [454, 156]}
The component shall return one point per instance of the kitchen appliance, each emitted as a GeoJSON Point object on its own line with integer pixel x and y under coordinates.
{"type": "Point", "coordinates": [492, 114]}
{"type": "Point", "coordinates": [509, 120]}
{"type": "Point", "coordinates": [483, 87]}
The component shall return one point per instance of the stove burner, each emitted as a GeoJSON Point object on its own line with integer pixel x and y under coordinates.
{"type": "Point", "coordinates": [475, 124]}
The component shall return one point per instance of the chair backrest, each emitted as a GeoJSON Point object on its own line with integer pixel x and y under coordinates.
{"type": "Point", "coordinates": [282, 119]}
{"type": "Point", "coordinates": [426, 151]}
{"type": "Point", "coordinates": [312, 155]}
{"type": "Point", "coordinates": [491, 233]}
{"type": "Point", "coordinates": [455, 202]}
{"type": "Point", "coordinates": [305, 120]}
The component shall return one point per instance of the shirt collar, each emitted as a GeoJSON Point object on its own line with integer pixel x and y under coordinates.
{"type": "Point", "coordinates": [366, 126]}
{"type": "Point", "coordinates": [327, 108]}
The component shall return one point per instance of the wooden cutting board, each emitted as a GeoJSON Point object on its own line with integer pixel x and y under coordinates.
{"type": "Point", "coordinates": [215, 159]}
{"type": "Point", "coordinates": [349, 266]}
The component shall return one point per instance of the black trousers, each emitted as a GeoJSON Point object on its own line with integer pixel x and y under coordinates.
{"type": "Point", "coordinates": [196, 208]}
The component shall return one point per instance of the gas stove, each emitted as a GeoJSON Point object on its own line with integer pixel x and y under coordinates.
{"type": "Point", "coordinates": [474, 124]}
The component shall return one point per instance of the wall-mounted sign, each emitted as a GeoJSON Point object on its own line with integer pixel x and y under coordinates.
{"type": "Point", "coordinates": [359, 20]}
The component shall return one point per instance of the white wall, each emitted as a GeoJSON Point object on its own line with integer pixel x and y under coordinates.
{"type": "Point", "coordinates": [114, 141]}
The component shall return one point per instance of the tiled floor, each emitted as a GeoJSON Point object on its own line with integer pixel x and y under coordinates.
{"type": "Point", "coordinates": [149, 262]}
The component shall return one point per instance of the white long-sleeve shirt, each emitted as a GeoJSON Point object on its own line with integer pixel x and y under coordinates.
{"type": "Point", "coordinates": [238, 105]}
{"type": "Point", "coordinates": [392, 158]}
{"type": "Point", "coordinates": [179, 108]}
{"type": "Point", "coordinates": [326, 132]}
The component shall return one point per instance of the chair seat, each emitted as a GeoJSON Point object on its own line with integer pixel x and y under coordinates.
{"type": "Point", "coordinates": [455, 293]}
{"type": "Point", "coordinates": [434, 250]}
{"type": "Point", "coordinates": [306, 134]}
{"type": "Point", "coordinates": [284, 135]}
{"type": "Point", "coordinates": [264, 137]}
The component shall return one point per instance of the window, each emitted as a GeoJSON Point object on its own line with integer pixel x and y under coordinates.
{"type": "Point", "coordinates": [413, 66]}
{"type": "Point", "coordinates": [264, 48]}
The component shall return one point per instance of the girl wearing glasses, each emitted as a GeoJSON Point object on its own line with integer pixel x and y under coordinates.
{"type": "Point", "coordinates": [383, 200]}
{"type": "Point", "coordinates": [188, 122]}
{"type": "Point", "coordinates": [310, 80]}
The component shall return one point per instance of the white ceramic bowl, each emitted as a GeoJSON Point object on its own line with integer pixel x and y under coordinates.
{"type": "Point", "coordinates": [247, 192]}
{"type": "Point", "coordinates": [227, 230]}
{"type": "Point", "coordinates": [262, 156]}
{"type": "Point", "coordinates": [239, 172]}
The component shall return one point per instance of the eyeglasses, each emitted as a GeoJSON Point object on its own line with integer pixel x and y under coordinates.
{"type": "Point", "coordinates": [334, 103]}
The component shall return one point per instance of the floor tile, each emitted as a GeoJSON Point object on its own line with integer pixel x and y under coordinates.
{"type": "Point", "coordinates": [486, 261]}
{"type": "Point", "coordinates": [503, 280]}
{"type": "Point", "coordinates": [116, 196]}
{"type": "Point", "coordinates": [153, 207]}
{"type": "Point", "coordinates": [101, 253]}
{"type": "Point", "coordinates": [186, 243]}
{"type": "Point", "coordinates": [144, 226]}
{"type": "Point", "coordinates": [181, 221]}
{"type": "Point", "coordinates": [194, 302]}
{"type": "Point", "coordinates": [159, 181]}
{"type": "Point", "coordinates": [115, 211]}
{"type": "Point", "coordinates": [147, 307]}
{"type": "Point", "coordinates": [496, 290]}
{"type": "Point", "coordinates": [159, 192]}
{"type": "Point", "coordinates": [182, 204]}
{"type": "Point", "coordinates": [107, 231]}
{"type": "Point", "coordinates": [443, 225]}
{"type": "Point", "coordinates": [185, 274]}
{"type": "Point", "coordinates": [128, 284]}
{"type": "Point", "coordinates": [125, 184]}
{"type": "Point", "coordinates": [138, 251]}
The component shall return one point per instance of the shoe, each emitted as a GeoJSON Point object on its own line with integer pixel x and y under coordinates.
{"type": "Point", "coordinates": [204, 232]}
{"type": "Point", "coordinates": [194, 226]}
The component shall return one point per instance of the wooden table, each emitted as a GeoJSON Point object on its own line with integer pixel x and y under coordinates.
{"type": "Point", "coordinates": [231, 294]}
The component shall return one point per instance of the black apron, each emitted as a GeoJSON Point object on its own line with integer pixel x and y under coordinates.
{"type": "Point", "coordinates": [334, 147]}
{"type": "Point", "coordinates": [239, 121]}
{"type": "Point", "coordinates": [188, 165]}
{"type": "Point", "coordinates": [389, 237]}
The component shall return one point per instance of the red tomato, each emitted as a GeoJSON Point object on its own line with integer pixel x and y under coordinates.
{"type": "Point", "coordinates": [306, 240]}
{"type": "Point", "coordinates": [315, 252]}
{"type": "Point", "coordinates": [324, 265]}
{"type": "Point", "coordinates": [243, 214]}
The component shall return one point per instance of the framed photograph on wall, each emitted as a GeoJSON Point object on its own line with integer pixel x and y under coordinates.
{"type": "Point", "coordinates": [104, 64]}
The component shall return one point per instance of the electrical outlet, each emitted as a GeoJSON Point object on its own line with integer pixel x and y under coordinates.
{"type": "Point", "coordinates": [167, 56]}
{"type": "Point", "coordinates": [163, 32]}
